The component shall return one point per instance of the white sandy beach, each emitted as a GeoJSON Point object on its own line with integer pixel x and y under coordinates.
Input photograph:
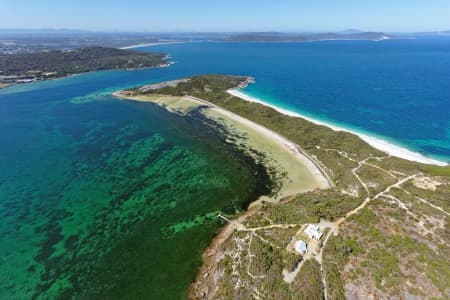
{"type": "Point", "coordinates": [375, 142]}
{"type": "Point", "coordinates": [150, 44]}
{"type": "Point", "coordinates": [284, 152]}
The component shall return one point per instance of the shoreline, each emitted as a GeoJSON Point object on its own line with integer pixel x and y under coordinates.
{"type": "Point", "coordinates": [149, 44]}
{"type": "Point", "coordinates": [166, 65]}
{"type": "Point", "coordinates": [378, 143]}
{"type": "Point", "coordinates": [300, 173]}
{"type": "Point", "coordinates": [5, 85]}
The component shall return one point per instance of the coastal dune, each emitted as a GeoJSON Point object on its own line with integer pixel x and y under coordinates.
{"type": "Point", "coordinates": [389, 148]}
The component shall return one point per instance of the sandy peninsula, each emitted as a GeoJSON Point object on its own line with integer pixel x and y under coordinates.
{"type": "Point", "coordinates": [293, 170]}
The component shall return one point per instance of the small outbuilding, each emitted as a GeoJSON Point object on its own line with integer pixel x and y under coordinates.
{"type": "Point", "coordinates": [313, 232]}
{"type": "Point", "coordinates": [301, 247]}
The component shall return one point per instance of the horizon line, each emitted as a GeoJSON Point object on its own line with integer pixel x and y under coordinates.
{"type": "Point", "coordinates": [351, 30]}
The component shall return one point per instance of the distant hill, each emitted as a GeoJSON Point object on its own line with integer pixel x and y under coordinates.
{"type": "Point", "coordinates": [15, 41]}
{"type": "Point", "coordinates": [350, 31]}
{"type": "Point", "coordinates": [305, 37]}
{"type": "Point", "coordinates": [19, 41]}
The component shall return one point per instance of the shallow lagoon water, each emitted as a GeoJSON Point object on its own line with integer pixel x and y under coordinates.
{"type": "Point", "coordinates": [107, 198]}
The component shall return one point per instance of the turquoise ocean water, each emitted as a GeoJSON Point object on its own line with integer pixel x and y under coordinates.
{"type": "Point", "coordinates": [101, 198]}
{"type": "Point", "coordinates": [109, 199]}
{"type": "Point", "coordinates": [398, 90]}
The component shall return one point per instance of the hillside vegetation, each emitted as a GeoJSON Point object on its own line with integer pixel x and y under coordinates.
{"type": "Point", "coordinates": [385, 221]}
{"type": "Point", "coordinates": [61, 62]}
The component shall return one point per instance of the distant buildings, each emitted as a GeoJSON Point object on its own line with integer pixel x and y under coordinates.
{"type": "Point", "coordinates": [8, 79]}
{"type": "Point", "coordinates": [27, 77]}
{"type": "Point", "coordinates": [313, 232]}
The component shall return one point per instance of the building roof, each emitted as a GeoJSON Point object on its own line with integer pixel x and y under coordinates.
{"type": "Point", "coordinates": [301, 247]}
{"type": "Point", "coordinates": [313, 231]}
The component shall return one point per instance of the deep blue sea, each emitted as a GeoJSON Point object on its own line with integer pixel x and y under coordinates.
{"type": "Point", "coordinates": [398, 90]}
{"type": "Point", "coordinates": [104, 198]}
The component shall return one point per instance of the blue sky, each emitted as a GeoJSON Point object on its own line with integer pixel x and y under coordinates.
{"type": "Point", "coordinates": [229, 15]}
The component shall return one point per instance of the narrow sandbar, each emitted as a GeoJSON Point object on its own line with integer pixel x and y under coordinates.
{"type": "Point", "coordinates": [180, 105]}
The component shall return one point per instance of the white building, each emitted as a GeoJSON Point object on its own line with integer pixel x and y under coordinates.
{"type": "Point", "coordinates": [301, 247]}
{"type": "Point", "coordinates": [313, 232]}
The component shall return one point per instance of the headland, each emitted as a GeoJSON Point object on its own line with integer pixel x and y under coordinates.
{"type": "Point", "coordinates": [382, 222]}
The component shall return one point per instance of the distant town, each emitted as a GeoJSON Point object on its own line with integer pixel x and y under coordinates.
{"type": "Point", "coordinates": [28, 67]}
